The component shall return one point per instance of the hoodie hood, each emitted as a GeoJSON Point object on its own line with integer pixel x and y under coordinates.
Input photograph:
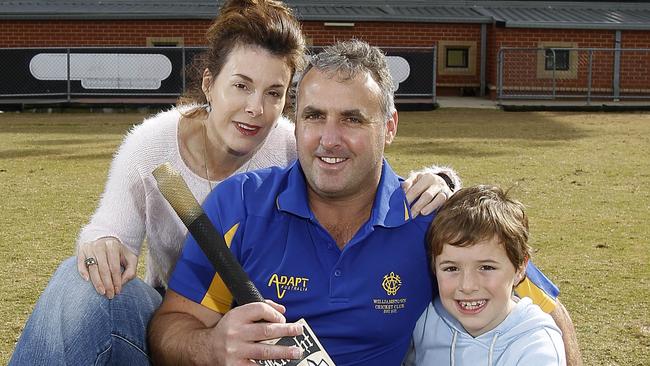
{"type": "Point", "coordinates": [439, 337]}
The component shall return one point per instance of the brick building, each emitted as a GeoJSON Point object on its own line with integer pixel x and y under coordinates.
{"type": "Point", "coordinates": [467, 35]}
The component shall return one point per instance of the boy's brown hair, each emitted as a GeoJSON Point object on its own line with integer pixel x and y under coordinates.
{"type": "Point", "coordinates": [480, 213]}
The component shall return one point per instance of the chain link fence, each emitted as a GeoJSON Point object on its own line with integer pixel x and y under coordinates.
{"type": "Point", "coordinates": [573, 73]}
{"type": "Point", "coordinates": [131, 74]}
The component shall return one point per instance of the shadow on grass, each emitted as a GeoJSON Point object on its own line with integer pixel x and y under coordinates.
{"type": "Point", "coordinates": [64, 142]}
{"type": "Point", "coordinates": [67, 154]}
{"type": "Point", "coordinates": [58, 128]}
{"type": "Point", "coordinates": [440, 149]}
{"type": "Point", "coordinates": [97, 156]}
{"type": "Point", "coordinates": [72, 124]}
{"type": "Point", "coordinates": [29, 153]}
{"type": "Point", "coordinates": [486, 124]}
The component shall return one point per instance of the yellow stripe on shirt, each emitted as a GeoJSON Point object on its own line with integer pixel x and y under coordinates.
{"type": "Point", "coordinates": [528, 289]}
{"type": "Point", "coordinates": [406, 212]}
{"type": "Point", "coordinates": [218, 297]}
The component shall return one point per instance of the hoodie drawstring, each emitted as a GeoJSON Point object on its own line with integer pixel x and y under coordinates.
{"type": "Point", "coordinates": [491, 351]}
{"type": "Point", "coordinates": [453, 347]}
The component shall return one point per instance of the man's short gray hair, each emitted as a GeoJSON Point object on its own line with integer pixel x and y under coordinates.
{"type": "Point", "coordinates": [347, 59]}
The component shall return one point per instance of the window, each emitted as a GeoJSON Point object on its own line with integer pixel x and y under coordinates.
{"type": "Point", "coordinates": [164, 41]}
{"type": "Point", "coordinates": [457, 57]}
{"type": "Point", "coordinates": [561, 60]}
{"type": "Point", "coordinates": [563, 66]}
{"type": "Point", "coordinates": [165, 44]}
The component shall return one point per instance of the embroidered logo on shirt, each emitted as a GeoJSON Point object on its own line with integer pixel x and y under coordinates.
{"type": "Point", "coordinates": [283, 283]}
{"type": "Point", "coordinates": [391, 283]}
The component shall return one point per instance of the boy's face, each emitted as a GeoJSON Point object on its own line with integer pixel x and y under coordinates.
{"type": "Point", "coordinates": [475, 284]}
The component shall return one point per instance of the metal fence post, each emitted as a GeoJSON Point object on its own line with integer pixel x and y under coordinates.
{"type": "Point", "coordinates": [617, 66]}
{"type": "Point", "coordinates": [500, 74]}
{"type": "Point", "coordinates": [483, 57]}
{"type": "Point", "coordinates": [554, 65]}
{"type": "Point", "coordinates": [435, 80]}
{"type": "Point", "coordinates": [183, 69]}
{"type": "Point", "coordinates": [589, 77]}
{"type": "Point", "coordinates": [68, 75]}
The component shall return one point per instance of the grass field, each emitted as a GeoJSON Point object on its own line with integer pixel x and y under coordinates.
{"type": "Point", "coordinates": [584, 177]}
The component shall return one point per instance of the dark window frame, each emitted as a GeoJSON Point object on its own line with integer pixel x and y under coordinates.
{"type": "Point", "coordinates": [465, 51]}
{"type": "Point", "coordinates": [562, 60]}
{"type": "Point", "coordinates": [165, 44]}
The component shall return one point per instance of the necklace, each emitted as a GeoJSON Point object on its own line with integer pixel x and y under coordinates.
{"type": "Point", "coordinates": [205, 157]}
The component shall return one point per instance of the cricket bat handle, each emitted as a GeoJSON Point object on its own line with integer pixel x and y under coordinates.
{"type": "Point", "coordinates": [176, 192]}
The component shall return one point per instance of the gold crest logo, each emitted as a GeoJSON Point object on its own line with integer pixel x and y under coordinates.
{"type": "Point", "coordinates": [391, 283]}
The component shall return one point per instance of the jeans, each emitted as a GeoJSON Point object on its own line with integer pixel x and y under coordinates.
{"type": "Point", "coordinates": [73, 325]}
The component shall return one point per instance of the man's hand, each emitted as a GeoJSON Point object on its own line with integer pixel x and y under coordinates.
{"type": "Point", "coordinates": [184, 332]}
{"type": "Point", "coordinates": [239, 331]}
{"type": "Point", "coordinates": [429, 189]}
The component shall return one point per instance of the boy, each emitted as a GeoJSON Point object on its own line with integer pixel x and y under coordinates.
{"type": "Point", "coordinates": [478, 243]}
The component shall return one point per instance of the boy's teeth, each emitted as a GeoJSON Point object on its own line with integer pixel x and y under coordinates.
{"type": "Point", "coordinates": [332, 160]}
{"type": "Point", "coordinates": [472, 304]}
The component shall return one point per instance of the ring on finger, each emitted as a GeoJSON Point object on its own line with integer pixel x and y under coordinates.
{"type": "Point", "coordinates": [90, 261]}
{"type": "Point", "coordinates": [443, 193]}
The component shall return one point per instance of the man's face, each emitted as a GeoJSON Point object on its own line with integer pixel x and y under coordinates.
{"type": "Point", "coordinates": [341, 132]}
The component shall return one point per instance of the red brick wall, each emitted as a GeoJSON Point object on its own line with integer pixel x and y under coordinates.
{"type": "Point", "coordinates": [531, 38]}
{"type": "Point", "coordinates": [403, 35]}
{"type": "Point", "coordinates": [77, 33]}
{"type": "Point", "coordinates": [635, 64]}
{"type": "Point", "coordinates": [393, 34]}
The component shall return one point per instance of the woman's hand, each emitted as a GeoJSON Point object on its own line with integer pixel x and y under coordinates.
{"type": "Point", "coordinates": [105, 271]}
{"type": "Point", "coordinates": [429, 189]}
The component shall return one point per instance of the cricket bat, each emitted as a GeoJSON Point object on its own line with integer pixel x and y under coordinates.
{"type": "Point", "coordinates": [176, 192]}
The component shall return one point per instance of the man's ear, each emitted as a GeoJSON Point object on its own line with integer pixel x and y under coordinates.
{"type": "Point", "coordinates": [206, 82]}
{"type": "Point", "coordinates": [391, 127]}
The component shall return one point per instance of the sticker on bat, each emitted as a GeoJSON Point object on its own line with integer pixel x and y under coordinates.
{"type": "Point", "coordinates": [313, 352]}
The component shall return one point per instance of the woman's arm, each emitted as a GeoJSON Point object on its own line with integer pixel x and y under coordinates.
{"type": "Point", "coordinates": [116, 230]}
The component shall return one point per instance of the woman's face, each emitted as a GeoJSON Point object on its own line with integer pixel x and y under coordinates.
{"type": "Point", "coordinates": [247, 97]}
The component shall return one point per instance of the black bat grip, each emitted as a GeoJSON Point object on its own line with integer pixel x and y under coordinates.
{"type": "Point", "coordinates": [214, 247]}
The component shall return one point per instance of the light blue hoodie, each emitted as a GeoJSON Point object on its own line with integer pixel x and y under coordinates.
{"type": "Point", "coordinates": [528, 336]}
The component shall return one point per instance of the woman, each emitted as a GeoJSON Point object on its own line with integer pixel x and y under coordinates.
{"type": "Point", "coordinates": [232, 123]}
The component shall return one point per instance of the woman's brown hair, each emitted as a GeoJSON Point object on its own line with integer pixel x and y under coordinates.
{"type": "Point", "coordinates": [268, 24]}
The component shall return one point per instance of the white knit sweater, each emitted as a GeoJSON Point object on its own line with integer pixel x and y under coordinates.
{"type": "Point", "coordinates": [132, 208]}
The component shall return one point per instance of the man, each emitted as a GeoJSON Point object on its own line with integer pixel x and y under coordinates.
{"type": "Point", "coordinates": [331, 237]}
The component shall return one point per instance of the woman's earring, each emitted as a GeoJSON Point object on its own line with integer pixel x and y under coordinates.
{"type": "Point", "coordinates": [208, 107]}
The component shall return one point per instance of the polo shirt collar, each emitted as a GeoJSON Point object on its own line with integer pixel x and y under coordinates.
{"type": "Point", "coordinates": [293, 198]}
{"type": "Point", "coordinates": [390, 208]}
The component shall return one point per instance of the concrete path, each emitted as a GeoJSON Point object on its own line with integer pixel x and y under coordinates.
{"type": "Point", "coordinates": [466, 102]}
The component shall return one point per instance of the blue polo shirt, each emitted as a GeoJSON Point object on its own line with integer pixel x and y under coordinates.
{"type": "Point", "coordinates": [362, 302]}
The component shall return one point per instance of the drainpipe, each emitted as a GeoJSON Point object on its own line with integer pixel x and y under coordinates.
{"type": "Point", "coordinates": [617, 66]}
{"type": "Point", "coordinates": [483, 57]}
